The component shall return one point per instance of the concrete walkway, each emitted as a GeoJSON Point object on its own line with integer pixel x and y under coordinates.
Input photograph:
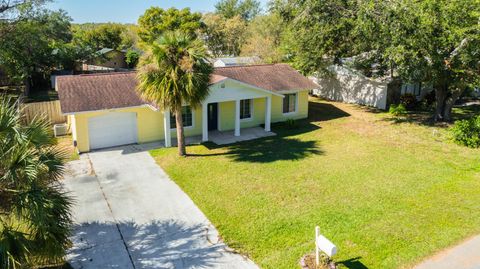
{"type": "Point", "coordinates": [463, 256]}
{"type": "Point", "coordinates": [129, 214]}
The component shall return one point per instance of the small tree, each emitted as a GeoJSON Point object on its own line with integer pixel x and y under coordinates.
{"type": "Point", "coordinates": [175, 71]}
{"type": "Point", "coordinates": [131, 58]}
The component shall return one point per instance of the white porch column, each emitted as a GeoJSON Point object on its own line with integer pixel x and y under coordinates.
{"type": "Point", "coordinates": [268, 113]}
{"type": "Point", "coordinates": [166, 127]}
{"type": "Point", "coordinates": [237, 117]}
{"type": "Point", "coordinates": [204, 122]}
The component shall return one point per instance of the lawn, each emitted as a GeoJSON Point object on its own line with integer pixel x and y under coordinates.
{"type": "Point", "coordinates": [66, 144]}
{"type": "Point", "coordinates": [388, 193]}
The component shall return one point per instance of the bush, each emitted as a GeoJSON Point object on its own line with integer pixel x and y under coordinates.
{"type": "Point", "coordinates": [131, 58]}
{"type": "Point", "coordinates": [467, 132]}
{"type": "Point", "coordinates": [290, 124]}
{"type": "Point", "coordinates": [427, 102]}
{"type": "Point", "coordinates": [408, 100]}
{"type": "Point", "coordinates": [397, 110]}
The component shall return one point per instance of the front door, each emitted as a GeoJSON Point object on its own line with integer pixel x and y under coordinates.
{"type": "Point", "coordinates": [212, 116]}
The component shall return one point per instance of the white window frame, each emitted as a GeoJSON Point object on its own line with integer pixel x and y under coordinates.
{"type": "Point", "coordinates": [296, 105]}
{"type": "Point", "coordinates": [251, 110]}
{"type": "Point", "coordinates": [172, 115]}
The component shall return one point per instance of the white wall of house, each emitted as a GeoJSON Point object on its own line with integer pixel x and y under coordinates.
{"type": "Point", "coordinates": [346, 85]}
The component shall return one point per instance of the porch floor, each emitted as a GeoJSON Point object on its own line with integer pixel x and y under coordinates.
{"type": "Point", "coordinates": [228, 137]}
{"type": "Point", "coordinates": [223, 137]}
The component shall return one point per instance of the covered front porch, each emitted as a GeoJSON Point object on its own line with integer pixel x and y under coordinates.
{"type": "Point", "coordinates": [232, 112]}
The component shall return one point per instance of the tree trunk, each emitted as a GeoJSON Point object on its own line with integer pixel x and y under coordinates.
{"type": "Point", "coordinates": [449, 102]}
{"type": "Point", "coordinates": [27, 87]}
{"type": "Point", "coordinates": [440, 95]}
{"type": "Point", "coordinates": [180, 134]}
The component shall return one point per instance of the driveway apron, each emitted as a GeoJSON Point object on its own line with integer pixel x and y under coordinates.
{"type": "Point", "coordinates": [129, 214]}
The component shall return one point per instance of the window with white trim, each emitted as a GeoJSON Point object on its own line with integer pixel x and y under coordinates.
{"type": "Point", "coordinates": [246, 109]}
{"type": "Point", "coordinates": [186, 116]}
{"type": "Point", "coordinates": [290, 103]}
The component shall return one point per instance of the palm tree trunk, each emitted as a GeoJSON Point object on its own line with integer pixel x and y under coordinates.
{"type": "Point", "coordinates": [180, 134]}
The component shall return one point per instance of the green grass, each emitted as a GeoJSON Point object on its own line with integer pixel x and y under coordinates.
{"type": "Point", "coordinates": [66, 143]}
{"type": "Point", "coordinates": [388, 194]}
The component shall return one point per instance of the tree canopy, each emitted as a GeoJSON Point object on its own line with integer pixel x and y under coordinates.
{"type": "Point", "coordinates": [246, 9]}
{"type": "Point", "coordinates": [433, 41]}
{"type": "Point", "coordinates": [107, 35]}
{"type": "Point", "coordinates": [155, 21]}
{"type": "Point", "coordinates": [36, 44]}
{"type": "Point", "coordinates": [224, 37]}
{"type": "Point", "coordinates": [265, 37]}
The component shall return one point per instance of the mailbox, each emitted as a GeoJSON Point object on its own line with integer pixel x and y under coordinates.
{"type": "Point", "coordinates": [324, 245]}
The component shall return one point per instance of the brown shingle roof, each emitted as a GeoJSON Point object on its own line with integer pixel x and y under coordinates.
{"type": "Point", "coordinates": [97, 92]}
{"type": "Point", "coordinates": [272, 77]}
{"type": "Point", "coordinates": [92, 92]}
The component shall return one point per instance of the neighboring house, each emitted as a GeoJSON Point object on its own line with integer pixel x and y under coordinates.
{"type": "Point", "coordinates": [236, 61]}
{"type": "Point", "coordinates": [344, 84]}
{"type": "Point", "coordinates": [104, 109]}
{"type": "Point", "coordinates": [107, 60]}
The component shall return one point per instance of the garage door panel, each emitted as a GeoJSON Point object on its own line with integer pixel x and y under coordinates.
{"type": "Point", "coordinates": [112, 129]}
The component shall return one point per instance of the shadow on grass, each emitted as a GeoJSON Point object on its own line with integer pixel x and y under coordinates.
{"type": "Point", "coordinates": [270, 149]}
{"type": "Point", "coordinates": [265, 150]}
{"type": "Point", "coordinates": [425, 118]}
{"type": "Point", "coordinates": [273, 149]}
{"type": "Point", "coordinates": [465, 112]}
{"type": "Point", "coordinates": [324, 112]}
{"type": "Point", "coordinates": [353, 263]}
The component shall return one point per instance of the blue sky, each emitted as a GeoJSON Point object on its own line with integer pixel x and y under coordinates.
{"type": "Point", "coordinates": [123, 11]}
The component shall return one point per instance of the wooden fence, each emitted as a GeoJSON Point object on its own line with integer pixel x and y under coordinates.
{"type": "Point", "coordinates": [50, 109]}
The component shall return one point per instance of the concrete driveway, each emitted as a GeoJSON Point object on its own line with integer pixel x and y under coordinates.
{"type": "Point", "coordinates": [129, 214]}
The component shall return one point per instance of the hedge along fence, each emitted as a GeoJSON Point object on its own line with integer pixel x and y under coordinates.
{"type": "Point", "coordinates": [50, 109]}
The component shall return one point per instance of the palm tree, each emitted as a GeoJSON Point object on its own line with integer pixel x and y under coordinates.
{"type": "Point", "coordinates": [35, 215]}
{"type": "Point", "coordinates": [175, 71]}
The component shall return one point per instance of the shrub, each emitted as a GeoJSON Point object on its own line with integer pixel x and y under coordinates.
{"type": "Point", "coordinates": [467, 132]}
{"type": "Point", "coordinates": [408, 100]}
{"type": "Point", "coordinates": [397, 110]}
{"type": "Point", "coordinates": [290, 124]}
{"type": "Point", "coordinates": [427, 102]}
{"type": "Point", "coordinates": [131, 58]}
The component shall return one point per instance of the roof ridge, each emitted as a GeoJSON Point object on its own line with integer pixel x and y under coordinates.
{"type": "Point", "coordinates": [106, 73]}
{"type": "Point", "coordinates": [248, 65]}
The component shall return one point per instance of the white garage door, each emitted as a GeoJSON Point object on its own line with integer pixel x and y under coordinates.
{"type": "Point", "coordinates": [112, 129]}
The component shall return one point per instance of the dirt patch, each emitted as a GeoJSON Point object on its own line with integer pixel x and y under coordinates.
{"type": "Point", "coordinates": [308, 262]}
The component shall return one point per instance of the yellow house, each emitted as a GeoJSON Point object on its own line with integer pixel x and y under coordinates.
{"type": "Point", "coordinates": [104, 110]}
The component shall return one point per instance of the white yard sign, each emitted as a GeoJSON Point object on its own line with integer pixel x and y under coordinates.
{"type": "Point", "coordinates": [324, 245]}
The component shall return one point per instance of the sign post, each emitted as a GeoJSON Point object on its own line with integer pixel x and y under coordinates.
{"type": "Point", "coordinates": [324, 245]}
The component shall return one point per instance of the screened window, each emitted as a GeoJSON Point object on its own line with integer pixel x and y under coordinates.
{"type": "Point", "coordinates": [186, 116]}
{"type": "Point", "coordinates": [246, 109]}
{"type": "Point", "coordinates": [289, 103]}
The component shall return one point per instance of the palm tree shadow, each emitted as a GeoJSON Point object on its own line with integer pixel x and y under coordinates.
{"type": "Point", "coordinates": [157, 244]}
{"type": "Point", "coordinates": [273, 149]}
